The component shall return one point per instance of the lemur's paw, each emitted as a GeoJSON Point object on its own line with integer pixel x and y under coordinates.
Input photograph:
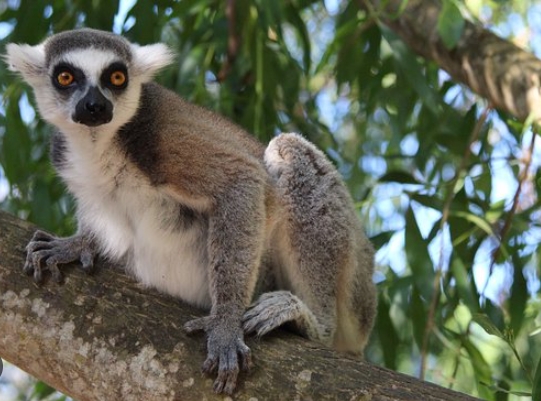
{"type": "Point", "coordinates": [227, 353]}
{"type": "Point", "coordinates": [46, 252]}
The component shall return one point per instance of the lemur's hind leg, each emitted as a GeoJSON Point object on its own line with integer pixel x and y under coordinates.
{"type": "Point", "coordinates": [315, 250]}
{"type": "Point", "coordinates": [273, 309]}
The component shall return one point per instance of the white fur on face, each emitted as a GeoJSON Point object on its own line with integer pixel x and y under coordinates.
{"type": "Point", "coordinates": [91, 62]}
{"type": "Point", "coordinates": [148, 60]}
{"type": "Point", "coordinates": [27, 60]}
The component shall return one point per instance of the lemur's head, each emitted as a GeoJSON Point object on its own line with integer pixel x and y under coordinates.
{"type": "Point", "coordinates": [87, 77]}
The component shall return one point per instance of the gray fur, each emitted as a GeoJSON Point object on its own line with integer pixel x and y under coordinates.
{"type": "Point", "coordinates": [197, 208]}
{"type": "Point", "coordinates": [58, 150]}
{"type": "Point", "coordinates": [65, 42]}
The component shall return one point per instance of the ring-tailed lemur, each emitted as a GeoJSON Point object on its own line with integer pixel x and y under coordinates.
{"type": "Point", "coordinates": [196, 206]}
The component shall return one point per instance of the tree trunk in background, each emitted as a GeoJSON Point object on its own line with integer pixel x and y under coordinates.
{"type": "Point", "coordinates": [103, 337]}
{"type": "Point", "coordinates": [496, 69]}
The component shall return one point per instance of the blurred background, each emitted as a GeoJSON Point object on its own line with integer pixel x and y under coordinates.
{"type": "Point", "coordinates": [448, 188]}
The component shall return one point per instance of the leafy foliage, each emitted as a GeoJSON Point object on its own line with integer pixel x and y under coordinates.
{"type": "Point", "coordinates": [450, 24]}
{"type": "Point", "coordinates": [448, 188]}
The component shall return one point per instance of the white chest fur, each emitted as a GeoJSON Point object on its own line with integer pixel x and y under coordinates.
{"type": "Point", "coordinates": [134, 220]}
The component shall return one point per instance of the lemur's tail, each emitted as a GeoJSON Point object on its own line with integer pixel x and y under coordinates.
{"type": "Point", "coordinates": [324, 259]}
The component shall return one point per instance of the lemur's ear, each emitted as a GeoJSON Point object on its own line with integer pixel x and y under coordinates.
{"type": "Point", "coordinates": [148, 60]}
{"type": "Point", "coordinates": [29, 61]}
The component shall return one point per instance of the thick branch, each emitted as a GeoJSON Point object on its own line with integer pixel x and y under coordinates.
{"type": "Point", "coordinates": [507, 76]}
{"type": "Point", "coordinates": [103, 337]}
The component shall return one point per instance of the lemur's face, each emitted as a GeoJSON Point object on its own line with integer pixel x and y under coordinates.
{"type": "Point", "coordinates": [87, 84]}
{"type": "Point", "coordinates": [87, 79]}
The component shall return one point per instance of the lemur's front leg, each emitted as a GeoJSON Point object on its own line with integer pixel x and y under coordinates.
{"type": "Point", "coordinates": [46, 252]}
{"type": "Point", "coordinates": [236, 230]}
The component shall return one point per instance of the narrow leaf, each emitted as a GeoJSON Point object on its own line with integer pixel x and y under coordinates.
{"type": "Point", "coordinates": [387, 334]}
{"type": "Point", "coordinates": [418, 257]}
{"type": "Point", "coordinates": [409, 66]}
{"type": "Point", "coordinates": [428, 201]}
{"type": "Point", "coordinates": [536, 390]}
{"type": "Point", "coordinates": [418, 311]}
{"type": "Point", "coordinates": [519, 294]}
{"type": "Point", "coordinates": [450, 24]}
{"type": "Point", "coordinates": [467, 293]}
{"type": "Point", "coordinates": [487, 325]}
{"type": "Point", "coordinates": [400, 176]}
{"type": "Point", "coordinates": [381, 239]}
{"type": "Point", "coordinates": [481, 368]}
{"type": "Point", "coordinates": [478, 221]}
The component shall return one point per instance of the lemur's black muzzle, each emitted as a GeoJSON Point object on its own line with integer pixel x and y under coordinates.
{"type": "Point", "coordinates": [93, 109]}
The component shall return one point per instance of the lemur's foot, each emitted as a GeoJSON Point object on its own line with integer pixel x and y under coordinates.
{"type": "Point", "coordinates": [227, 353]}
{"type": "Point", "coordinates": [46, 252]}
{"type": "Point", "coordinates": [273, 309]}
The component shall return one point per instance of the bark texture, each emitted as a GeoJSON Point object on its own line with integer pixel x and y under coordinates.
{"type": "Point", "coordinates": [496, 69]}
{"type": "Point", "coordinates": [103, 337]}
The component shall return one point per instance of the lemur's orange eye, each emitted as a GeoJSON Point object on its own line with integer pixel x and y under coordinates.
{"type": "Point", "coordinates": [65, 78]}
{"type": "Point", "coordinates": [118, 78]}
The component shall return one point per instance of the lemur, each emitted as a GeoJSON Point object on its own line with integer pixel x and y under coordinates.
{"type": "Point", "coordinates": [194, 205]}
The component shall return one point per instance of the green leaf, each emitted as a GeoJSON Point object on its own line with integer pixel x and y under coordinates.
{"type": "Point", "coordinates": [519, 294]}
{"type": "Point", "coordinates": [41, 205]}
{"type": "Point", "coordinates": [147, 29]}
{"type": "Point", "coordinates": [495, 212]}
{"type": "Point", "coordinates": [29, 28]}
{"type": "Point", "coordinates": [487, 325]}
{"type": "Point", "coordinates": [495, 314]}
{"type": "Point", "coordinates": [409, 66]}
{"type": "Point", "coordinates": [481, 368]}
{"type": "Point", "coordinates": [502, 390]}
{"type": "Point", "coordinates": [428, 201]}
{"type": "Point", "coordinates": [381, 239]}
{"type": "Point", "coordinates": [418, 312]}
{"type": "Point", "coordinates": [418, 257]}
{"type": "Point", "coordinates": [100, 14]}
{"type": "Point", "coordinates": [478, 221]}
{"type": "Point", "coordinates": [450, 24]}
{"type": "Point", "coordinates": [536, 390]}
{"type": "Point", "coordinates": [296, 21]}
{"type": "Point", "coordinates": [42, 390]}
{"type": "Point", "coordinates": [16, 143]}
{"type": "Point", "coordinates": [402, 177]}
{"type": "Point", "coordinates": [464, 284]}
{"type": "Point", "coordinates": [387, 334]}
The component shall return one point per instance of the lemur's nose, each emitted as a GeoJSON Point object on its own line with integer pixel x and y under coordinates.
{"type": "Point", "coordinates": [93, 109]}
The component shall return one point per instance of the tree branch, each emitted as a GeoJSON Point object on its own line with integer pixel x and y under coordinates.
{"type": "Point", "coordinates": [496, 69]}
{"type": "Point", "coordinates": [526, 160]}
{"type": "Point", "coordinates": [103, 337]}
